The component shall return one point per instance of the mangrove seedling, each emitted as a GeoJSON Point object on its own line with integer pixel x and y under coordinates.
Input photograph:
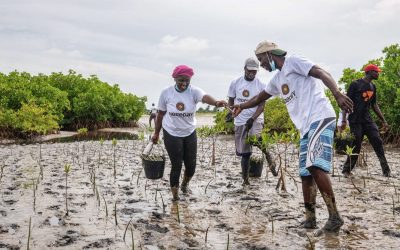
{"type": "Point", "coordinates": [67, 169]}
{"type": "Point", "coordinates": [114, 144]}
{"type": "Point", "coordinates": [105, 204]}
{"type": "Point", "coordinates": [349, 153]}
{"type": "Point", "coordinates": [227, 245]}
{"type": "Point", "coordinates": [115, 213]}
{"type": "Point", "coordinates": [29, 233]}
{"type": "Point", "coordinates": [177, 213]}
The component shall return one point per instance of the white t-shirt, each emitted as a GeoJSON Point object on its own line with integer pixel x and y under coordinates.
{"type": "Point", "coordinates": [179, 119]}
{"type": "Point", "coordinates": [242, 91]}
{"type": "Point", "coordinates": [304, 95]}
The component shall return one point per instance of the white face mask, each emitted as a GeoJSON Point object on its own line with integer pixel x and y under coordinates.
{"type": "Point", "coordinates": [271, 64]}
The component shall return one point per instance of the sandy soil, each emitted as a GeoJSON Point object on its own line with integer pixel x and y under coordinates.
{"type": "Point", "coordinates": [217, 213]}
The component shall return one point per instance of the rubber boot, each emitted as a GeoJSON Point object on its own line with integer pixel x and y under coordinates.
{"type": "Point", "coordinates": [385, 167]}
{"type": "Point", "coordinates": [334, 222]}
{"type": "Point", "coordinates": [311, 219]}
{"type": "Point", "coordinates": [245, 164]}
{"type": "Point", "coordinates": [175, 195]}
{"type": "Point", "coordinates": [185, 185]}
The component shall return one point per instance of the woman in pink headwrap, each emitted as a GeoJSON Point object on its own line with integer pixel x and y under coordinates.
{"type": "Point", "coordinates": [176, 115]}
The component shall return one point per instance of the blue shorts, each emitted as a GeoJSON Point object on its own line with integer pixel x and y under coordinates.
{"type": "Point", "coordinates": [316, 147]}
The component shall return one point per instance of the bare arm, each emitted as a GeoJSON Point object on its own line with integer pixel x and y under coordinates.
{"type": "Point", "coordinates": [256, 100]}
{"type": "Point", "coordinates": [378, 112]}
{"type": "Point", "coordinates": [159, 118]}
{"type": "Point", "coordinates": [212, 101]}
{"type": "Point", "coordinates": [343, 101]}
{"type": "Point", "coordinates": [259, 111]}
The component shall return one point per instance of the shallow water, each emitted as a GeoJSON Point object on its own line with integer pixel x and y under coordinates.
{"type": "Point", "coordinates": [258, 217]}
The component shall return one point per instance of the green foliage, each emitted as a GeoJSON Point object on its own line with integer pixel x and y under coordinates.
{"type": "Point", "coordinates": [39, 104]}
{"type": "Point", "coordinates": [82, 131]}
{"type": "Point", "coordinates": [221, 125]}
{"type": "Point", "coordinates": [276, 116]}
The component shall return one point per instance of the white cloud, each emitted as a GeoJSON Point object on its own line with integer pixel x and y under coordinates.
{"type": "Point", "coordinates": [138, 43]}
{"type": "Point", "coordinates": [176, 46]}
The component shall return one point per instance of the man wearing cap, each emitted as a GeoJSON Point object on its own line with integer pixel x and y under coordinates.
{"type": "Point", "coordinates": [311, 112]}
{"type": "Point", "coordinates": [363, 94]}
{"type": "Point", "coordinates": [250, 121]}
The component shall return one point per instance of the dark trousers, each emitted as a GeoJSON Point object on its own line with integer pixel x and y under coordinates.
{"type": "Point", "coordinates": [181, 149]}
{"type": "Point", "coordinates": [371, 131]}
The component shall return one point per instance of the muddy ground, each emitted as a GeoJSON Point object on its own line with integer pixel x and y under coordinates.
{"type": "Point", "coordinates": [217, 213]}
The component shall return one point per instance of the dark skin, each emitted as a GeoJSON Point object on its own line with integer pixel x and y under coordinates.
{"type": "Point", "coordinates": [182, 82]}
{"type": "Point", "coordinates": [318, 177]}
{"type": "Point", "coordinates": [369, 76]}
{"type": "Point", "coordinates": [249, 75]}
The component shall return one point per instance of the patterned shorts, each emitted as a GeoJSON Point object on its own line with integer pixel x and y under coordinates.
{"type": "Point", "coordinates": [316, 147]}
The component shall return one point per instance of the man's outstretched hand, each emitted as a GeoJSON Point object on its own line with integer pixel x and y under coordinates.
{"type": "Point", "coordinates": [344, 102]}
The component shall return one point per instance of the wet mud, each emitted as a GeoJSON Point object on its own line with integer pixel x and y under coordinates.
{"type": "Point", "coordinates": [114, 212]}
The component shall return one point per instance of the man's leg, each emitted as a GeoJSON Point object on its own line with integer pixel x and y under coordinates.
{"type": "Point", "coordinates": [318, 163]}
{"type": "Point", "coordinates": [309, 195]}
{"type": "Point", "coordinates": [245, 164]}
{"type": "Point", "coordinates": [358, 132]}
{"type": "Point", "coordinates": [372, 132]}
{"type": "Point", "coordinates": [244, 151]}
{"type": "Point", "coordinates": [324, 185]}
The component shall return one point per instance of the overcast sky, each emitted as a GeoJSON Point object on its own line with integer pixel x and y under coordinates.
{"type": "Point", "coordinates": [136, 44]}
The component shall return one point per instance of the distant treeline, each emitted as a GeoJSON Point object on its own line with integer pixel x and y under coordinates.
{"type": "Point", "coordinates": [32, 105]}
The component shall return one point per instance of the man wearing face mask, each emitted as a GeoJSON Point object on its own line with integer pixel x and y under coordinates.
{"type": "Point", "coordinates": [251, 121]}
{"type": "Point", "coordinates": [363, 94]}
{"type": "Point", "coordinates": [310, 110]}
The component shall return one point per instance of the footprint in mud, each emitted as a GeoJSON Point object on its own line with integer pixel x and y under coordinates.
{"type": "Point", "coordinates": [157, 228]}
{"type": "Point", "coordinates": [250, 246]}
{"type": "Point", "coordinates": [65, 240]}
{"type": "Point", "coordinates": [130, 201]}
{"type": "Point", "coordinates": [9, 247]}
{"type": "Point", "coordinates": [49, 191]}
{"type": "Point", "coordinates": [130, 211]}
{"type": "Point", "coordinates": [54, 207]}
{"type": "Point", "coordinates": [213, 211]}
{"type": "Point", "coordinates": [10, 202]}
{"type": "Point", "coordinates": [99, 244]}
{"type": "Point", "coordinates": [224, 226]}
{"type": "Point", "coordinates": [3, 213]}
{"type": "Point", "coordinates": [191, 242]}
{"type": "Point", "coordinates": [391, 233]}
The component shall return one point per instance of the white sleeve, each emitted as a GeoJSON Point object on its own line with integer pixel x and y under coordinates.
{"type": "Point", "coordinates": [198, 94]}
{"type": "Point", "coordinates": [232, 90]}
{"type": "Point", "coordinates": [271, 87]}
{"type": "Point", "coordinates": [299, 65]}
{"type": "Point", "coordinates": [162, 101]}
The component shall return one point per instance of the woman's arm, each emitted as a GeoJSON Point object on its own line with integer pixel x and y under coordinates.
{"type": "Point", "coordinates": [159, 118]}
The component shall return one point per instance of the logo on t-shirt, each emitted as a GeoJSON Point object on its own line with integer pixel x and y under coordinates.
{"type": "Point", "coordinates": [367, 95]}
{"type": "Point", "coordinates": [285, 89]}
{"type": "Point", "coordinates": [180, 106]}
{"type": "Point", "coordinates": [245, 93]}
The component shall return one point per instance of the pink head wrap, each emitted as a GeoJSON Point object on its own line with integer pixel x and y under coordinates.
{"type": "Point", "coordinates": [182, 70]}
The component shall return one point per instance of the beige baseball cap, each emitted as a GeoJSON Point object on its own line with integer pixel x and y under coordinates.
{"type": "Point", "coordinates": [267, 46]}
{"type": "Point", "coordinates": [251, 64]}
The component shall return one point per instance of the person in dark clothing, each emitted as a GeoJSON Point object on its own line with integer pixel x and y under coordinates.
{"type": "Point", "coordinates": [153, 114]}
{"type": "Point", "coordinates": [363, 94]}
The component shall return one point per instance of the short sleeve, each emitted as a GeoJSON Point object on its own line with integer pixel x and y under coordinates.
{"type": "Point", "coordinates": [198, 94]}
{"type": "Point", "coordinates": [162, 101]}
{"type": "Point", "coordinates": [271, 87]}
{"type": "Point", "coordinates": [299, 65]}
{"type": "Point", "coordinates": [231, 91]}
